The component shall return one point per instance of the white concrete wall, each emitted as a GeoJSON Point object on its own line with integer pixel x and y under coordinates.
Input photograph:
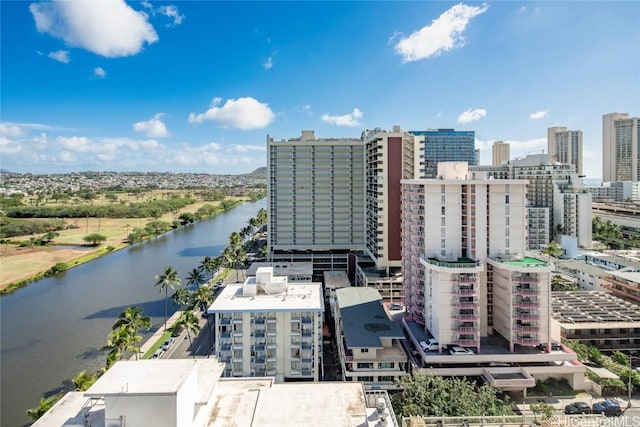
{"type": "Point", "coordinates": [141, 411]}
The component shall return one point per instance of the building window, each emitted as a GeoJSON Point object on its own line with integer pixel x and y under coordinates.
{"type": "Point", "coordinates": [364, 350]}
{"type": "Point", "coordinates": [506, 199]}
{"type": "Point", "coordinates": [386, 365]}
{"type": "Point", "coordinates": [365, 365]}
{"type": "Point", "coordinates": [442, 221]}
{"type": "Point", "coordinates": [365, 379]}
{"type": "Point", "coordinates": [442, 209]}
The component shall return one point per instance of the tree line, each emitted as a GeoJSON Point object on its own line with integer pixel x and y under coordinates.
{"type": "Point", "coordinates": [124, 338]}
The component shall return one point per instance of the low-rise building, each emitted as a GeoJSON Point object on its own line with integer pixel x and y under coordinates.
{"type": "Point", "coordinates": [269, 327]}
{"type": "Point", "coordinates": [295, 271]}
{"type": "Point", "coordinates": [596, 318]}
{"type": "Point", "coordinates": [368, 340]}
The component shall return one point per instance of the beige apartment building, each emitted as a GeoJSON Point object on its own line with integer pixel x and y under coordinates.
{"type": "Point", "coordinates": [620, 148]}
{"type": "Point", "coordinates": [565, 146]}
{"type": "Point", "coordinates": [500, 152]}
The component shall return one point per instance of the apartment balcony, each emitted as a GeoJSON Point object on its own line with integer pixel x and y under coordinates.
{"type": "Point", "coordinates": [466, 317]}
{"type": "Point", "coordinates": [271, 372]}
{"type": "Point", "coordinates": [307, 320]}
{"type": "Point", "coordinates": [518, 290]}
{"type": "Point", "coordinates": [271, 345]}
{"type": "Point", "coordinates": [225, 335]}
{"type": "Point", "coordinates": [466, 279]}
{"type": "Point", "coordinates": [525, 316]}
{"type": "Point", "coordinates": [259, 321]}
{"type": "Point", "coordinates": [529, 342]}
{"type": "Point", "coordinates": [526, 329]}
{"type": "Point", "coordinates": [464, 291]}
{"type": "Point", "coordinates": [259, 335]}
{"type": "Point", "coordinates": [526, 304]}
{"type": "Point", "coordinates": [272, 333]}
{"type": "Point", "coordinates": [225, 321]}
{"type": "Point", "coordinates": [465, 304]}
{"type": "Point", "coordinates": [307, 334]}
{"type": "Point", "coordinates": [525, 279]}
{"type": "Point", "coordinates": [466, 329]}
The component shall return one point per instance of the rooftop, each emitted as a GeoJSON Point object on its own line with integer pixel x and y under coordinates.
{"type": "Point", "coordinates": [298, 297]}
{"type": "Point", "coordinates": [364, 320]}
{"type": "Point", "coordinates": [336, 279]}
{"type": "Point", "coordinates": [283, 268]}
{"type": "Point", "coordinates": [237, 402]}
{"type": "Point", "coordinates": [525, 262]}
{"type": "Point", "coordinates": [590, 309]}
{"type": "Point", "coordinates": [140, 377]}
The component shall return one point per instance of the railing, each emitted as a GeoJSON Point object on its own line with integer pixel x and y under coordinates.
{"type": "Point", "coordinates": [526, 304]}
{"type": "Point", "coordinates": [525, 291]}
{"type": "Point", "coordinates": [526, 329]}
{"type": "Point", "coordinates": [526, 341]}
{"type": "Point", "coordinates": [451, 264]}
{"type": "Point", "coordinates": [465, 291]}
{"type": "Point", "coordinates": [466, 342]}
{"type": "Point", "coordinates": [466, 329]}
{"type": "Point", "coordinates": [464, 304]}
{"type": "Point", "coordinates": [466, 317]}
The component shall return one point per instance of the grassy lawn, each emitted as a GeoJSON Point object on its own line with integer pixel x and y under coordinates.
{"type": "Point", "coordinates": [22, 263]}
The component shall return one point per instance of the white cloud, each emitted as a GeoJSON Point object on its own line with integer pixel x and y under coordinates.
{"type": "Point", "coordinates": [472, 115]}
{"type": "Point", "coordinates": [99, 72]}
{"type": "Point", "coordinates": [153, 128]}
{"type": "Point", "coordinates": [268, 63]}
{"type": "Point", "coordinates": [110, 28]}
{"type": "Point", "coordinates": [172, 12]}
{"type": "Point", "coordinates": [444, 33]}
{"type": "Point", "coordinates": [11, 130]}
{"type": "Point", "coordinates": [350, 119]}
{"type": "Point", "coordinates": [241, 113]}
{"type": "Point", "coordinates": [538, 114]}
{"type": "Point", "coordinates": [60, 55]}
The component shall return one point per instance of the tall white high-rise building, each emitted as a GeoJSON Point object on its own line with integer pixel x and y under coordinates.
{"type": "Point", "coordinates": [565, 146]}
{"type": "Point", "coordinates": [500, 152]}
{"type": "Point", "coordinates": [465, 273]}
{"type": "Point", "coordinates": [620, 148]}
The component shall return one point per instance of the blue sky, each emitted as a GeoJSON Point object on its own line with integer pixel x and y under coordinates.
{"type": "Point", "coordinates": [196, 86]}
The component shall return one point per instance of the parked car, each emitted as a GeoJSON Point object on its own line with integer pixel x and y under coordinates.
{"type": "Point", "coordinates": [607, 407]}
{"type": "Point", "coordinates": [460, 351]}
{"type": "Point", "coordinates": [395, 306]}
{"type": "Point", "coordinates": [429, 345]}
{"type": "Point", "coordinates": [555, 345]}
{"type": "Point", "coordinates": [158, 354]}
{"type": "Point", "coordinates": [165, 346]}
{"type": "Point", "coordinates": [577, 408]}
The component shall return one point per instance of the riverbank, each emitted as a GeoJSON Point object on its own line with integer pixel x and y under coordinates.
{"type": "Point", "coordinates": [23, 265]}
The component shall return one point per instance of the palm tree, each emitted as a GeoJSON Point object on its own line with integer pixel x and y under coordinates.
{"type": "Point", "coordinates": [207, 266]}
{"type": "Point", "coordinates": [262, 217]}
{"type": "Point", "coordinates": [83, 381]}
{"type": "Point", "coordinates": [202, 297]}
{"type": "Point", "coordinates": [132, 319]}
{"type": "Point", "coordinates": [552, 250]}
{"type": "Point", "coordinates": [181, 297]}
{"type": "Point", "coordinates": [118, 341]}
{"type": "Point", "coordinates": [195, 277]}
{"type": "Point", "coordinates": [190, 322]}
{"type": "Point", "coordinates": [166, 280]}
{"type": "Point", "coordinates": [45, 404]}
{"type": "Point", "coordinates": [235, 240]}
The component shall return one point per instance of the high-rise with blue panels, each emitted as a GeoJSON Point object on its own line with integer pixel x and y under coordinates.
{"type": "Point", "coordinates": [444, 145]}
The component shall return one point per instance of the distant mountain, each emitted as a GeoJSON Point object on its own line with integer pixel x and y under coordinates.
{"type": "Point", "coordinates": [262, 172]}
{"type": "Point", "coordinates": [6, 171]}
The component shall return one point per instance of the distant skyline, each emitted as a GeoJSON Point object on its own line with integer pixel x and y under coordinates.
{"type": "Point", "coordinates": [190, 86]}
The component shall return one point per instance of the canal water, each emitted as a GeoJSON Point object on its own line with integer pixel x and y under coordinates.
{"type": "Point", "coordinates": [54, 328]}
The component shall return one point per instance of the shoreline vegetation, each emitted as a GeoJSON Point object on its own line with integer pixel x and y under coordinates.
{"type": "Point", "coordinates": [76, 240]}
{"type": "Point", "coordinates": [124, 340]}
